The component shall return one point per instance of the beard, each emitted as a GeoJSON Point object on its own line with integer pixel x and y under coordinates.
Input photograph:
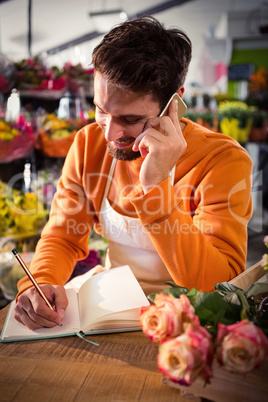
{"type": "Point", "coordinates": [123, 154]}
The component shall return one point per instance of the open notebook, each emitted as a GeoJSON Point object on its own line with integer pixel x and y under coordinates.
{"type": "Point", "coordinates": [107, 302]}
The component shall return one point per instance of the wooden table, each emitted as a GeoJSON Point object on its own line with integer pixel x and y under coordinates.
{"type": "Point", "coordinates": [122, 368]}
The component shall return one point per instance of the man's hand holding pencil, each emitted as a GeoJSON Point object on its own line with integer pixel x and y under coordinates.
{"type": "Point", "coordinates": [40, 305]}
{"type": "Point", "coordinates": [32, 311]}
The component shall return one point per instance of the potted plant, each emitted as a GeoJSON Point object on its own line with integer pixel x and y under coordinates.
{"type": "Point", "coordinates": [208, 119]}
{"type": "Point", "coordinates": [205, 117]}
{"type": "Point", "coordinates": [235, 119]}
{"type": "Point", "coordinates": [259, 129]}
{"type": "Point", "coordinates": [191, 115]}
{"type": "Point", "coordinates": [258, 89]}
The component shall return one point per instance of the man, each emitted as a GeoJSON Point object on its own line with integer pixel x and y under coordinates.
{"type": "Point", "coordinates": [117, 176]}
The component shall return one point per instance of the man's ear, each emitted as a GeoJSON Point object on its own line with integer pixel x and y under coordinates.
{"type": "Point", "coordinates": [181, 90]}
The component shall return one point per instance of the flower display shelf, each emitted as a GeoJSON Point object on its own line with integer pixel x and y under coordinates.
{"type": "Point", "coordinates": [16, 139]}
{"type": "Point", "coordinates": [43, 94]}
{"type": "Point", "coordinates": [16, 149]}
{"type": "Point", "coordinates": [227, 386]}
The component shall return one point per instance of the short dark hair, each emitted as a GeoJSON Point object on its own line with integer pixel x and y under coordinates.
{"type": "Point", "coordinates": [142, 56]}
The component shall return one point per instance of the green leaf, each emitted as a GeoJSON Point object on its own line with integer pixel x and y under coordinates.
{"type": "Point", "coordinates": [232, 298]}
{"type": "Point", "coordinates": [245, 312]}
{"type": "Point", "coordinates": [193, 292]}
{"type": "Point", "coordinates": [151, 297]}
{"type": "Point", "coordinates": [174, 285]}
{"type": "Point", "coordinates": [224, 287]}
{"type": "Point", "coordinates": [257, 289]}
{"type": "Point", "coordinates": [211, 309]}
{"type": "Point", "coordinates": [175, 291]}
{"type": "Point", "coordinates": [192, 295]}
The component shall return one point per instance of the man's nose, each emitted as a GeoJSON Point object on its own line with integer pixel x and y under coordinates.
{"type": "Point", "coordinates": [113, 130]}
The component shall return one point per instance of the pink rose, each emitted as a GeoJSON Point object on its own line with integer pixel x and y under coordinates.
{"type": "Point", "coordinates": [168, 317]}
{"type": "Point", "coordinates": [243, 346]}
{"type": "Point", "coordinates": [187, 357]}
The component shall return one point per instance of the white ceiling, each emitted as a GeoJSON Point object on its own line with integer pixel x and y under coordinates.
{"type": "Point", "coordinates": [56, 22]}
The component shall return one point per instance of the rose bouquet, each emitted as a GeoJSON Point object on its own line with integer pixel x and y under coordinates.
{"type": "Point", "coordinates": [194, 330]}
{"type": "Point", "coordinates": [78, 77]}
{"type": "Point", "coordinates": [32, 74]}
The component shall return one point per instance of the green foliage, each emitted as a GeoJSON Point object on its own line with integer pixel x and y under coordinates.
{"type": "Point", "coordinates": [208, 116]}
{"type": "Point", "coordinates": [258, 118]}
{"type": "Point", "coordinates": [191, 115]}
{"type": "Point", "coordinates": [174, 290]}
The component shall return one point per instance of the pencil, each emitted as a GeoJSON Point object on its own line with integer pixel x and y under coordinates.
{"type": "Point", "coordinates": [24, 266]}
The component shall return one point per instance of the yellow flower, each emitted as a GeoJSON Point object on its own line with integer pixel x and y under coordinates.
{"type": "Point", "coordinates": [6, 132]}
{"type": "Point", "coordinates": [19, 212]}
{"type": "Point", "coordinates": [235, 119]}
{"type": "Point", "coordinates": [4, 126]}
{"type": "Point", "coordinates": [231, 127]}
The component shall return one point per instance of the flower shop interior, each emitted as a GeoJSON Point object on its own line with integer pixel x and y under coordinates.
{"type": "Point", "coordinates": [52, 80]}
{"type": "Point", "coordinates": [46, 96]}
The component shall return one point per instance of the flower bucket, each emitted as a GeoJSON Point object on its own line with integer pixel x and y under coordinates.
{"type": "Point", "coordinates": [259, 134]}
{"type": "Point", "coordinates": [231, 128]}
{"type": "Point", "coordinates": [54, 148]}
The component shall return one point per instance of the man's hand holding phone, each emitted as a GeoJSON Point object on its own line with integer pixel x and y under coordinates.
{"type": "Point", "coordinates": [161, 144]}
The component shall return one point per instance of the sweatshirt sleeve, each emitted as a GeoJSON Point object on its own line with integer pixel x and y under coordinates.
{"type": "Point", "coordinates": [64, 239]}
{"type": "Point", "coordinates": [208, 243]}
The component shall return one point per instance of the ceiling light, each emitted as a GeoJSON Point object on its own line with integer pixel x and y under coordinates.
{"type": "Point", "coordinates": [103, 21]}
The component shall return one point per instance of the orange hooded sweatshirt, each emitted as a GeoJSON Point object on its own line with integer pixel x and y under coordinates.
{"type": "Point", "coordinates": [198, 226]}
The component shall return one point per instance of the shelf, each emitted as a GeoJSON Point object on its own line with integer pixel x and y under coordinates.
{"type": "Point", "coordinates": [250, 42]}
{"type": "Point", "coordinates": [45, 94]}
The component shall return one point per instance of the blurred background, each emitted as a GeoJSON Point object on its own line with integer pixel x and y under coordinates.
{"type": "Point", "coordinates": [46, 94]}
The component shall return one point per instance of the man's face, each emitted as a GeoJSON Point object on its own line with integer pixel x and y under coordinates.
{"type": "Point", "coordinates": [122, 116]}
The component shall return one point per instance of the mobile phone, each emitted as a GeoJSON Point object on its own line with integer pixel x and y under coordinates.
{"type": "Point", "coordinates": [181, 106]}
